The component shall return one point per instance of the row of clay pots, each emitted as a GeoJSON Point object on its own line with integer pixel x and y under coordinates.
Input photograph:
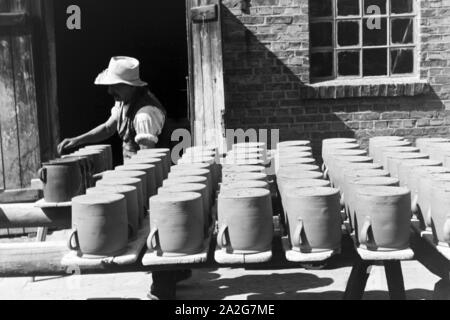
{"type": "Point", "coordinates": [310, 206]}
{"type": "Point", "coordinates": [70, 176]}
{"type": "Point", "coordinates": [437, 148]}
{"type": "Point", "coordinates": [378, 210]}
{"type": "Point", "coordinates": [244, 202]}
{"type": "Point", "coordinates": [104, 220]}
{"type": "Point", "coordinates": [180, 214]}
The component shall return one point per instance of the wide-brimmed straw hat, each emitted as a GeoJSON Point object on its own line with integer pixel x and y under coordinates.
{"type": "Point", "coordinates": [121, 70]}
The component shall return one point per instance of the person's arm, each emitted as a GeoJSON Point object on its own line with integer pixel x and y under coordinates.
{"type": "Point", "coordinates": [100, 133]}
{"type": "Point", "coordinates": [148, 122]}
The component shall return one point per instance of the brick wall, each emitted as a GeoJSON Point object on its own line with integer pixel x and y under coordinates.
{"type": "Point", "coordinates": [266, 62]}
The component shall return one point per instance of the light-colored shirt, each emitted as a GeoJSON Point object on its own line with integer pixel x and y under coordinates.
{"type": "Point", "coordinates": [148, 122]}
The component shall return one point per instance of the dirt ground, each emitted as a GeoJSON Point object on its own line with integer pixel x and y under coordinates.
{"type": "Point", "coordinates": [222, 284]}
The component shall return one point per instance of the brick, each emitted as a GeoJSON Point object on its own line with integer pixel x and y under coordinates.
{"type": "Point", "coordinates": [277, 20]}
{"type": "Point", "coordinates": [367, 116]}
{"type": "Point", "coordinates": [395, 115]}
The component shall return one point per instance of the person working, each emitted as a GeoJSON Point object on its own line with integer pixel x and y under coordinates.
{"type": "Point", "coordinates": [138, 117]}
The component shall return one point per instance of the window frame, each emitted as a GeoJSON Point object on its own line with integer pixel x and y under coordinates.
{"type": "Point", "coordinates": [335, 48]}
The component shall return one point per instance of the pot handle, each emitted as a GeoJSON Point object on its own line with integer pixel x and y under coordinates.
{"type": "Point", "coordinates": [73, 237]}
{"type": "Point", "coordinates": [42, 173]}
{"type": "Point", "coordinates": [297, 238]}
{"type": "Point", "coordinates": [221, 237]}
{"type": "Point", "coordinates": [152, 240]}
{"type": "Point", "coordinates": [325, 174]}
{"type": "Point", "coordinates": [414, 206]}
{"type": "Point", "coordinates": [365, 233]}
{"type": "Point", "coordinates": [447, 230]}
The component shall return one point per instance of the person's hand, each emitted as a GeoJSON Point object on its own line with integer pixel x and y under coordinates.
{"type": "Point", "coordinates": [67, 144]}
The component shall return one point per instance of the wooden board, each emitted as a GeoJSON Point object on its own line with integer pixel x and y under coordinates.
{"type": "Point", "coordinates": [221, 256]}
{"type": "Point", "coordinates": [130, 256]}
{"type": "Point", "coordinates": [296, 256]}
{"type": "Point", "coordinates": [441, 248]}
{"type": "Point", "coordinates": [26, 108]}
{"type": "Point", "coordinates": [10, 169]}
{"type": "Point", "coordinates": [25, 215]}
{"type": "Point", "coordinates": [153, 258]}
{"type": "Point", "coordinates": [20, 196]}
{"type": "Point", "coordinates": [206, 76]}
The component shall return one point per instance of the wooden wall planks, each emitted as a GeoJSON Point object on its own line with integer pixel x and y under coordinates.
{"type": "Point", "coordinates": [20, 152]}
{"type": "Point", "coordinates": [208, 102]}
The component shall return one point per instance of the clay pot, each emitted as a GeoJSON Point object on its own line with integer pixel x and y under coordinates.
{"type": "Point", "coordinates": [176, 222]}
{"type": "Point", "coordinates": [333, 148]}
{"type": "Point", "coordinates": [244, 184]}
{"type": "Point", "coordinates": [288, 150]}
{"type": "Point", "coordinates": [405, 168]}
{"type": "Point", "coordinates": [439, 151]}
{"type": "Point", "coordinates": [300, 167]}
{"type": "Point", "coordinates": [326, 143]}
{"type": "Point", "coordinates": [107, 151]}
{"type": "Point", "coordinates": [383, 216]}
{"type": "Point", "coordinates": [314, 219]}
{"type": "Point", "coordinates": [196, 172]}
{"type": "Point", "coordinates": [249, 145]}
{"type": "Point", "coordinates": [193, 187]}
{"type": "Point", "coordinates": [134, 182]}
{"type": "Point", "coordinates": [422, 143]}
{"type": "Point", "coordinates": [100, 225]}
{"type": "Point", "coordinates": [141, 175]}
{"type": "Point", "coordinates": [230, 162]}
{"type": "Point", "coordinates": [97, 159]}
{"type": "Point", "coordinates": [62, 179]}
{"type": "Point", "coordinates": [426, 183]}
{"type": "Point", "coordinates": [440, 217]}
{"type": "Point", "coordinates": [414, 180]}
{"type": "Point", "coordinates": [289, 174]}
{"type": "Point", "coordinates": [164, 152]}
{"type": "Point", "coordinates": [286, 161]}
{"type": "Point", "coordinates": [395, 159]}
{"type": "Point", "coordinates": [292, 155]}
{"type": "Point", "coordinates": [149, 169]}
{"type": "Point", "coordinates": [229, 177]}
{"type": "Point", "coordinates": [86, 176]}
{"type": "Point", "coordinates": [214, 168]}
{"type": "Point", "coordinates": [242, 169]}
{"type": "Point", "coordinates": [245, 221]}
{"type": "Point", "coordinates": [373, 142]}
{"type": "Point", "coordinates": [188, 179]}
{"type": "Point", "coordinates": [351, 174]}
{"type": "Point", "coordinates": [353, 185]}
{"type": "Point", "coordinates": [164, 162]}
{"type": "Point", "coordinates": [390, 150]}
{"type": "Point", "coordinates": [379, 145]}
{"type": "Point", "coordinates": [159, 173]}
{"type": "Point", "coordinates": [293, 143]}
{"type": "Point", "coordinates": [285, 187]}
{"type": "Point", "coordinates": [131, 197]}
{"type": "Point", "coordinates": [340, 164]}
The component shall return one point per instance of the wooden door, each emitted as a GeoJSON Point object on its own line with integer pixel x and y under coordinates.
{"type": "Point", "coordinates": [207, 101]}
{"type": "Point", "coordinates": [19, 133]}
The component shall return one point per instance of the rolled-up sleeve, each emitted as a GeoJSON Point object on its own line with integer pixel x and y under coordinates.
{"type": "Point", "coordinates": [149, 122]}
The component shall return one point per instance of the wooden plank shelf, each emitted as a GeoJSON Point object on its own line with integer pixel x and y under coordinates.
{"type": "Point", "coordinates": [128, 257]}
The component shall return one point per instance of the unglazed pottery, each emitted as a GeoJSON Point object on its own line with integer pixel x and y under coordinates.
{"type": "Point", "coordinates": [100, 225]}
{"type": "Point", "coordinates": [383, 217]}
{"type": "Point", "coordinates": [440, 214]}
{"type": "Point", "coordinates": [177, 224]}
{"type": "Point", "coordinates": [62, 179]}
{"type": "Point", "coordinates": [314, 219]}
{"type": "Point", "coordinates": [245, 221]}
{"type": "Point", "coordinates": [149, 169]}
{"type": "Point", "coordinates": [159, 174]}
{"type": "Point", "coordinates": [131, 197]}
{"type": "Point", "coordinates": [406, 166]}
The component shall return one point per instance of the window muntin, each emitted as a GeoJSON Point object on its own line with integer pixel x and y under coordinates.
{"type": "Point", "coordinates": [343, 30]}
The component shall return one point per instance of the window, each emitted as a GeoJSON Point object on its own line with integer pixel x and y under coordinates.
{"type": "Point", "coordinates": [362, 38]}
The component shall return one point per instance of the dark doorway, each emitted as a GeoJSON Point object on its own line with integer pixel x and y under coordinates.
{"type": "Point", "coordinates": [152, 31]}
